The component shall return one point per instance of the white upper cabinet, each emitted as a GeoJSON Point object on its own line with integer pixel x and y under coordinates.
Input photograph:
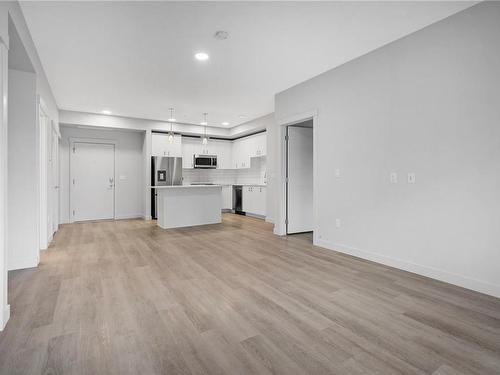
{"type": "Point", "coordinates": [259, 145]}
{"type": "Point", "coordinates": [230, 154]}
{"type": "Point", "coordinates": [194, 146]}
{"type": "Point", "coordinates": [188, 150]}
{"type": "Point", "coordinates": [246, 148]}
{"type": "Point", "coordinates": [161, 146]}
{"type": "Point", "coordinates": [224, 152]}
{"type": "Point", "coordinates": [241, 153]}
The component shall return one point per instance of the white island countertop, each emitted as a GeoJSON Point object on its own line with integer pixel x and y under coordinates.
{"type": "Point", "coordinates": [184, 186]}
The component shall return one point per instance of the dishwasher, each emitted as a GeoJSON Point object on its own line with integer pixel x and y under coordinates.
{"type": "Point", "coordinates": [238, 199]}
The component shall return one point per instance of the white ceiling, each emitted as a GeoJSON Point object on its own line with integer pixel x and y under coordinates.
{"type": "Point", "coordinates": [136, 58]}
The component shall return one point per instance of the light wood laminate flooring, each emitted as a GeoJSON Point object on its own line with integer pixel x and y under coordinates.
{"type": "Point", "coordinates": [126, 297]}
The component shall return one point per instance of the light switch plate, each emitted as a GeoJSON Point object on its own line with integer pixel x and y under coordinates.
{"type": "Point", "coordinates": [337, 223]}
{"type": "Point", "coordinates": [411, 178]}
{"type": "Point", "coordinates": [394, 178]}
{"type": "Point", "coordinates": [337, 172]}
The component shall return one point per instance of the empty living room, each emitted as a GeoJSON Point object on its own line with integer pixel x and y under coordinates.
{"type": "Point", "coordinates": [250, 187]}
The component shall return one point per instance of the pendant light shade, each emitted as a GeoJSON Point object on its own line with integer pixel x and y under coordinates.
{"type": "Point", "coordinates": [204, 139]}
{"type": "Point", "coordinates": [171, 119]}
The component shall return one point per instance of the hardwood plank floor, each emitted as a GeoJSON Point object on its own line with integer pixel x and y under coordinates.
{"type": "Point", "coordinates": [127, 297]}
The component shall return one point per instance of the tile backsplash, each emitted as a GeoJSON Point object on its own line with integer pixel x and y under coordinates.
{"type": "Point", "coordinates": [256, 174]}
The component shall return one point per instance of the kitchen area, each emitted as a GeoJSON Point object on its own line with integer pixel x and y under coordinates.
{"type": "Point", "coordinates": [194, 179]}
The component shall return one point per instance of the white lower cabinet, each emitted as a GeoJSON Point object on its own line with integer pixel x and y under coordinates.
{"type": "Point", "coordinates": [227, 197]}
{"type": "Point", "coordinates": [254, 200]}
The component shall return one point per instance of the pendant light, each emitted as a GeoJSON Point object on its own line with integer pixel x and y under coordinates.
{"type": "Point", "coordinates": [204, 139]}
{"type": "Point", "coordinates": [171, 119]}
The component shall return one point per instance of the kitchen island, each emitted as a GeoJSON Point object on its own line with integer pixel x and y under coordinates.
{"type": "Point", "coordinates": [188, 205]}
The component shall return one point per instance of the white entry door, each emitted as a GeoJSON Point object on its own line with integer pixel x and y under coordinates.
{"type": "Point", "coordinates": [300, 179]}
{"type": "Point", "coordinates": [92, 181]}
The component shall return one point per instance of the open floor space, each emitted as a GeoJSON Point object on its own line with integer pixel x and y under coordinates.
{"type": "Point", "coordinates": [249, 187]}
{"type": "Point", "coordinates": [126, 297]}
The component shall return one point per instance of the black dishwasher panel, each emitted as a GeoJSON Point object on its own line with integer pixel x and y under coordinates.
{"type": "Point", "coordinates": [238, 199]}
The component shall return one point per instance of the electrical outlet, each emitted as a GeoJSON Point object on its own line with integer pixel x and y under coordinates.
{"type": "Point", "coordinates": [411, 178]}
{"type": "Point", "coordinates": [337, 172]}
{"type": "Point", "coordinates": [337, 223]}
{"type": "Point", "coordinates": [394, 178]}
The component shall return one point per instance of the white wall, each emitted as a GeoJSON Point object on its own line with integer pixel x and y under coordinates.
{"type": "Point", "coordinates": [23, 219]}
{"type": "Point", "coordinates": [12, 9]}
{"type": "Point", "coordinates": [129, 169]}
{"type": "Point", "coordinates": [428, 104]}
{"type": "Point", "coordinates": [4, 306]}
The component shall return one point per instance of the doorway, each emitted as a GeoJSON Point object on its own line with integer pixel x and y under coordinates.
{"type": "Point", "coordinates": [299, 178]}
{"type": "Point", "coordinates": [92, 181]}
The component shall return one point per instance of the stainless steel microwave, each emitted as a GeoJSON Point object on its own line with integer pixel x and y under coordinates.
{"type": "Point", "coordinates": [205, 161]}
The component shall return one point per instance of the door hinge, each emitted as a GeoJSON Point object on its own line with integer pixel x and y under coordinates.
{"type": "Point", "coordinates": [286, 221]}
{"type": "Point", "coordinates": [73, 181]}
{"type": "Point", "coordinates": [74, 149]}
{"type": "Point", "coordinates": [286, 137]}
{"type": "Point", "coordinates": [73, 212]}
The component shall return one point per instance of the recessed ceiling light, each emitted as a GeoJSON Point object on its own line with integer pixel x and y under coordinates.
{"type": "Point", "coordinates": [203, 123]}
{"type": "Point", "coordinates": [202, 56]}
{"type": "Point", "coordinates": [106, 112]}
{"type": "Point", "coordinates": [172, 119]}
{"type": "Point", "coordinates": [225, 123]}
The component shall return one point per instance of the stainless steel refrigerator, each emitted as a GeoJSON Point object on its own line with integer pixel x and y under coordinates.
{"type": "Point", "coordinates": [165, 171]}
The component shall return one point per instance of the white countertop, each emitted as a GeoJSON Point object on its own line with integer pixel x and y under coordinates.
{"type": "Point", "coordinates": [208, 185]}
{"type": "Point", "coordinates": [183, 186]}
{"type": "Point", "coordinates": [258, 185]}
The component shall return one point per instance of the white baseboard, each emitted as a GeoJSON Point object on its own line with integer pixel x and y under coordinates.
{"type": "Point", "coordinates": [255, 215]}
{"type": "Point", "coordinates": [22, 263]}
{"type": "Point", "coordinates": [434, 273]}
{"type": "Point", "coordinates": [129, 216]}
{"type": "Point", "coordinates": [5, 316]}
{"type": "Point", "coordinates": [269, 220]}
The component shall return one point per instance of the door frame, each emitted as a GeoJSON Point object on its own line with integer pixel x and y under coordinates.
{"type": "Point", "coordinates": [4, 72]}
{"type": "Point", "coordinates": [53, 157]}
{"type": "Point", "coordinates": [280, 227]}
{"type": "Point", "coordinates": [72, 141]}
{"type": "Point", "coordinates": [43, 130]}
{"type": "Point", "coordinates": [287, 177]}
